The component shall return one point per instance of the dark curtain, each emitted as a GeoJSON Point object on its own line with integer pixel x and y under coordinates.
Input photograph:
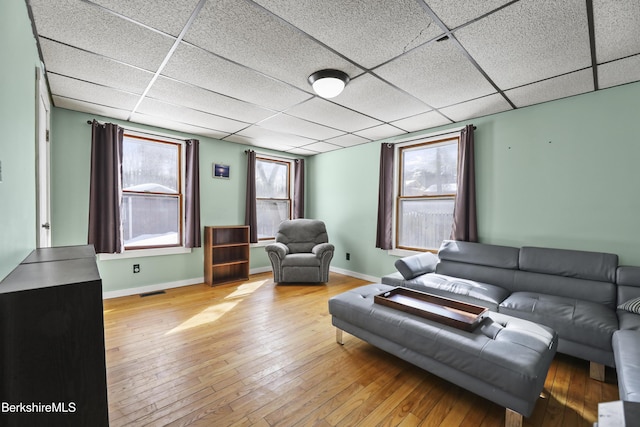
{"type": "Point", "coordinates": [251, 215]}
{"type": "Point", "coordinates": [298, 189]}
{"type": "Point", "coordinates": [465, 225]}
{"type": "Point", "coordinates": [385, 198]}
{"type": "Point", "coordinates": [105, 188]}
{"type": "Point", "coordinates": [192, 195]}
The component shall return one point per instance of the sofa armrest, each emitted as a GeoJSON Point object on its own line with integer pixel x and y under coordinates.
{"type": "Point", "coordinates": [319, 249]}
{"type": "Point", "coordinates": [279, 249]}
{"type": "Point", "coordinates": [417, 265]}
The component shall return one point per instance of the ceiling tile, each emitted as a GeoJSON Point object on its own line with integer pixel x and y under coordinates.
{"type": "Point", "coordinates": [421, 121]}
{"type": "Point", "coordinates": [476, 108]}
{"type": "Point", "coordinates": [256, 142]}
{"type": "Point", "coordinates": [438, 74]}
{"type": "Point", "coordinates": [354, 26]}
{"type": "Point", "coordinates": [555, 88]}
{"type": "Point", "coordinates": [457, 12]}
{"type": "Point", "coordinates": [165, 123]}
{"type": "Point", "coordinates": [619, 72]}
{"type": "Point", "coordinates": [321, 111]}
{"type": "Point", "coordinates": [348, 140]}
{"type": "Point", "coordinates": [169, 16]}
{"type": "Point", "coordinates": [380, 132]}
{"type": "Point", "coordinates": [271, 138]}
{"type": "Point", "coordinates": [296, 126]}
{"type": "Point", "coordinates": [190, 116]}
{"type": "Point", "coordinates": [193, 65]}
{"type": "Point", "coordinates": [89, 92]}
{"type": "Point", "coordinates": [617, 28]}
{"type": "Point", "coordinates": [187, 95]}
{"type": "Point", "coordinates": [88, 107]}
{"type": "Point", "coordinates": [371, 96]}
{"type": "Point", "coordinates": [514, 49]}
{"type": "Point", "coordinates": [302, 152]}
{"type": "Point", "coordinates": [244, 32]}
{"type": "Point", "coordinates": [322, 147]}
{"type": "Point", "coordinates": [88, 27]}
{"type": "Point", "coordinates": [82, 65]}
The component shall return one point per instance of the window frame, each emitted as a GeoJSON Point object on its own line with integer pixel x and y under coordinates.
{"type": "Point", "coordinates": [290, 185]}
{"type": "Point", "coordinates": [435, 141]}
{"type": "Point", "coordinates": [179, 195]}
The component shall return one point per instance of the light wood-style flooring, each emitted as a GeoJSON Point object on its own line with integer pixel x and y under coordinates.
{"type": "Point", "coordinates": [254, 353]}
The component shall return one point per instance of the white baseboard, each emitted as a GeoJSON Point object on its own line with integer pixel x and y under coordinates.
{"type": "Point", "coordinates": [260, 270]}
{"type": "Point", "coordinates": [151, 288]}
{"type": "Point", "coordinates": [197, 280]}
{"type": "Point", "coordinates": [355, 274]}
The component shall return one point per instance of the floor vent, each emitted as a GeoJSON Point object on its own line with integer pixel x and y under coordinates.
{"type": "Point", "coordinates": [148, 294]}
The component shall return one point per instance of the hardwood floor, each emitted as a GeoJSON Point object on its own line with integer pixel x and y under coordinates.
{"type": "Point", "coordinates": [254, 353]}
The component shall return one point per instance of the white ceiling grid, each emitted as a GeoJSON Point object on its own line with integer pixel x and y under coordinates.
{"type": "Point", "coordinates": [239, 69]}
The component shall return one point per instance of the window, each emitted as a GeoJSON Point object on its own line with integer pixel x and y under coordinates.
{"type": "Point", "coordinates": [273, 195]}
{"type": "Point", "coordinates": [151, 193]}
{"type": "Point", "coordinates": [427, 185]}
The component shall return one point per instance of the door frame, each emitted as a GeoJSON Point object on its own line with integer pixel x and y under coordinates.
{"type": "Point", "coordinates": [43, 161]}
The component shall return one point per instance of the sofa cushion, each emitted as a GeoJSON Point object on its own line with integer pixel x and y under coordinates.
{"type": "Point", "coordinates": [469, 291]}
{"type": "Point", "coordinates": [627, 275]}
{"type": "Point", "coordinates": [626, 348]}
{"type": "Point", "coordinates": [415, 265]}
{"type": "Point", "coordinates": [562, 262]}
{"type": "Point", "coordinates": [301, 260]}
{"type": "Point", "coordinates": [628, 320]}
{"type": "Point", "coordinates": [628, 281]}
{"type": "Point", "coordinates": [586, 322]}
{"type": "Point", "coordinates": [632, 306]}
{"type": "Point", "coordinates": [589, 290]}
{"type": "Point", "coordinates": [479, 253]}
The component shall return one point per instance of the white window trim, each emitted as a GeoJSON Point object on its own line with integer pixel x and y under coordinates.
{"type": "Point", "coordinates": [141, 253]}
{"type": "Point", "coordinates": [434, 136]}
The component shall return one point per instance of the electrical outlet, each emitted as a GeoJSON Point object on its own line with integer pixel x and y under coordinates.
{"type": "Point", "coordinates": [136, 268]}
{"type": "Point", "coordinates": [348, 256]}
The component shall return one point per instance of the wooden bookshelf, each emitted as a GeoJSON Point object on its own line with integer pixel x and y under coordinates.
{"type": "Point", "coordinates": [226, 256]}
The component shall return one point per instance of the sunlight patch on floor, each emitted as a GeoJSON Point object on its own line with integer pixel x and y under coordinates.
{"type": "Point", "coordinates": [217, 310]}
{"type": "Point", "coordinates": [246, 289]}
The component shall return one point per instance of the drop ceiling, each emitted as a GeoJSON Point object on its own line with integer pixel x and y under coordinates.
{"type": "Point", "coordinates": [237, 70]}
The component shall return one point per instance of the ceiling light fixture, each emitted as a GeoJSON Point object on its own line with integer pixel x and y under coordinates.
{"type": "Point", "coordinates": [328, 83]}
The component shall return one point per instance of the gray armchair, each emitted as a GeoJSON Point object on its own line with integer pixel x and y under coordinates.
{"type": "Point", "coordinates": [301, 253]}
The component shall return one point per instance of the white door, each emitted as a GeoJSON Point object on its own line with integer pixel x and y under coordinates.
{"type": "Point", "coordinates": [43, 160]}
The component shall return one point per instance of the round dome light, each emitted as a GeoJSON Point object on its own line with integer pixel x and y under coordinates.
{"type": "Point", "coordinates": [328, 83]}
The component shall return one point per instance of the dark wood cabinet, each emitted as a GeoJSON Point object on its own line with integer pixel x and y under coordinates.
{"type": "Point", "coordinates": [52, 354]}
{"type": "Point", "coordinates": [226, 256]}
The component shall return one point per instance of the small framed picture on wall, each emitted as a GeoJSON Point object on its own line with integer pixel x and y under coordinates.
{"type": "Point", "coordinates": [220, 171]}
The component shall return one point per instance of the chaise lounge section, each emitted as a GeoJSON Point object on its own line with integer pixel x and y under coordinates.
{"type": "Point", "coordinates": [504, 360]}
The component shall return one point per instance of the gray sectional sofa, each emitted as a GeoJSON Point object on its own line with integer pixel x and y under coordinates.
{"type": "Point", "coordinates": [579, 294]}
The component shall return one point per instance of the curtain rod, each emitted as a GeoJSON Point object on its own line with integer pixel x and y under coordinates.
{"type": "Point", "coordinates": [426, 135]}
{"type": "Point", "coordinates": [157, 134]}
{"type": "Point", "coordinates": [274, 156]}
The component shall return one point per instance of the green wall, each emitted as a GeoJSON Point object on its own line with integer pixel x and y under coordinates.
{"type": "Point", "coordinates": [221, 200]}
{"type": "Point", "coordinates": [561, 174]}
{"type": "Point", "coordinates": [17, 145]}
